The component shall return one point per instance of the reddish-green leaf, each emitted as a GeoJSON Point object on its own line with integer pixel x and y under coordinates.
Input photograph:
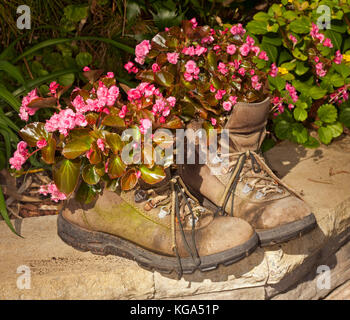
{"type": "Point", "coordinates": [77, 146]}
{"type": "Point", "coordinates": [114, 142]}
{"type": "Point", "coordinates": [48, 152]}
{"type": "Point", "coordinates": [128, 180]}
{"type": "Point", "coordinates": [39, 103]}
{"type": "Point", "coordinates": [90, 174]}
{"type": "Point", "coordinates": [173, 123]}
{"type": "Point", "coordinates": [152, 175]}
{"type": "Point", "coordinates": [164, 78]}
{"type": "Point", "coordinates": [116, 167]}
{"type": "Point", "coordinates": [66, 175]}
{"type": "Point", "coordinates": [113, 119]}
{"type": "Point", "coordinates": [34, 132]}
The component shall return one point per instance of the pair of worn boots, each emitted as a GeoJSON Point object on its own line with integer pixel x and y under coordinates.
{"type": "Point", "coordinates": [195, 219]}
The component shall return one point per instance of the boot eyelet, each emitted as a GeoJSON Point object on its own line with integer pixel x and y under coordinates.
{"type": "Point", "coordinates": [247, 188]}
{"type": "Point", "coordinates": [163, 212]}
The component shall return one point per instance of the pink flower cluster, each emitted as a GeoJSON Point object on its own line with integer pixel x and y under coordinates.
{"type": "Point", "coordinates": [105, 97]}
{"type": "Point", "coordinates": [162, 107]}
{"type": "Point", "coordinates": [53, 88]}
{"type": "Point", "coordinates": [194, 51]}
{"type": "Point", "coordinates": [192, 70]}
{"type": "Point", "coordinates": [145, 90]}
{"type": "Point", "coordinates": [131, 68]}
{"type": "Point", "coordinates": [319, 69]}
{"type": "Point", "coordinates": [20, 156]}
{"type": "Point", "coordinates": [278, 104]}
{"type": "Point", "coordinates": [338, 57]}
{"type": "Point", "coordinates": [141, 51]}
{"type": "Point", "coordinates": [292, 92]}
{"type": "Point", "coordinates": [320, 36]}
{"type": "Point", "coordinates": [51, 188]}
{"type": "Point", "coordinates": [145, 124]}
{"type": "Point", "coordinates": [340, 96]}
{"type": "Point", "coordinates": [237, 30]}
{"type": "Point", "coordinates": [255, 83]}
{"type": "Point", "coordinates": [173, 57]}
{"type": "Point", "coordinates": [25, 111]}
{"type": "Point", "coordinates": [64, 121]}
{"type": "Point", "coordinates": [273, 70]}
{"type": "Point", "coordinates": [293, 39]}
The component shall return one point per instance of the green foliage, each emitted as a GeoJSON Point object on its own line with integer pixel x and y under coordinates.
{"type": "Point", "coordinates": [320, 95]}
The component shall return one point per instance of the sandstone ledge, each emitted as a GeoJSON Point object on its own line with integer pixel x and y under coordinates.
{"type": "Point", "coordinates": [287, 271]}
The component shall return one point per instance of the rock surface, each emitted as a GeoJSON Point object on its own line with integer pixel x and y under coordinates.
{"type": "Point", "coordinates": [286, 271]}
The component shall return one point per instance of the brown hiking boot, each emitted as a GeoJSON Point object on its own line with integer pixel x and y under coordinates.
{"type": "Point", "coordinates": [246, 187]}
{"type": "Point", "coordinates": [163, 229]}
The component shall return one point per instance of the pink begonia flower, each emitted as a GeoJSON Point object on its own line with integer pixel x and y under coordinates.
{"type": "Point", "coordinates": [123, 112]}
{"type": "Point", "coordinates": [338, 57]}
{"type": "Point", "coordinates": [173, 57]}
{"type": "Point", "coordinates": [155, 67]}
{"type": "Point", "coordinates": [171, 100]}
{"type": "Point", "coordinates": [319, 70]}
{"type": "Point", "coordinates": [244, 49]}
{"type": "Point", "coordinates": [208, 40]}
{"type": "Point", "coordinates": [291, 106]}
{"type": "Point", "coordinates": [188, 76]}
{"type": "Point", "coordinates": [316, 59]}
{"type": "Point", "coordinates": [231, 49]}
{"type": "Point", "coordinates": [41, 143]}
{"type": "Point", "coordinates": [134, 94]}
{"type": "Point", "coordinates": [131, 68]}
{"type": "Point", "coordinates": [274, 70]}
{"type": "Point", "coordinates": [20, 156]}
{"type": "Point", "coordinates": [227, 105]}
{"type": "Point", "coordinates": [199, 50]}
{"type": "Point", "coordinates": [220, 94]}
{"type": "Point", "coordinates": [88, 153]}
{"type": "Point", "coordinates": [190, 66]}
{"type": "Point", "coordinates": [141, 51]}
{"type": "Point", "coordinates": [194, 23]}
{"type": "Point", "coordinates": [162, 119]}
{"type": "Point", "coordinates": [53, 87]}
{"type": "Point", "coordinates": [292, 92]}
{"type": "Point", "coordinates": [320, 37]}
{"type": "Point", "coordinates": [86, 69]}
{"type": "Point", "coordinates": [213, 121]}
{"type": "Point", "coordinates": [138, 174]}
{"type": "Point", "coordinates": [212, 88]}
{"type": "Point", "coordinates": [250, 41]}
{"type": "Point", "coordinates": [293, 39]}
{"type": "Point", "coordinates": [328, 43]}
{"type": "Point", "coordinates": [222, 68]}
{"type": "Point", "coordinates": [24, 110]}
{"type": "Point", "coordinates": [51, 188]}
{"type": "Point", "coordinates": [80, 120]}
{"type": "Point", "coordinates": [237, 30]}
{"type": "Point", "coordinates": [241, 71]}
{"type": "Point", "coordinates": [110, 75]}
{"type": "Point", "coordinates": [145, 124]}
{"type": "Point", "coordinates": [166, 29]}
{"type": "Point", "coordinates": [314, 30]}
{"type": "Point", "coordinates": [190, 51]}
{"type": "Point", "coordinates": [263, 56]}
{"type": "Point", "coordinates": [233, 99]}
{"type": "Point", "coordinates": [100, 144]}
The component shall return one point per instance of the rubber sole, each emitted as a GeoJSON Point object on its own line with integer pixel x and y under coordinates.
{"type": "Point", "coordinates": [287, 231]}
{"type": "Point", "coordinates": [105, 244]}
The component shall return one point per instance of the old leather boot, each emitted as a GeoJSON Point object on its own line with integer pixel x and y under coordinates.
{"type": "Point", "coordinates": [246, 187]}
{"type": "Point", "coordinates": [162, 228]}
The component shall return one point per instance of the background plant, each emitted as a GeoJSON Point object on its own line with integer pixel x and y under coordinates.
{"type": "Point", "coordinates": [284, 32]}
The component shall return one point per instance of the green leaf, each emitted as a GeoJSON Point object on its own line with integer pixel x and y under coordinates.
{"type": "Point", "coordinates": [267, 144]}
{"type": "Point", "coordinates": [337, 80]}
{"type": "Point", "coordinates": [261, 16]}
{"type": "Point", "coordinates": [4, 214]}
{"type": "Point", "coordinates": [317, 92]}
{"type": "Point", "coordinates": [76, 13]}
{"type": "Point", "coordinates": [344, 117]}
{"type": "Point", "coordinates": [66, 79]}
{"type": "Point", "coordinates": [9, 98]}
{"type": "Point", "coordinates": [311, 143]}
{"type": "Point", "coordinates": [277, 82]}
{"type": "Point", "coordinates": [66, 175]}
{"type": "Point", "coordinates": [113, 119]}
{"type": "Point", "coordinates": [325, 134]}
{"type": "Point", "coordinates": [299, 133]}
{"type": "Point", "coordinates": [152, 175]}
{"type": "Point", "coordinates": [164, 78]}
{"type": "Point", "coordinates": [33, 132]}
{"type": "Point", "coordinates": [336, 129]}
{"type": "Point", "coordinates": [212, 60]}
{"type": "Point", "coordinates": [335, 37]}
{"type": "Point", "coordinates": [327, 113]}
{"type": "Point", "coordinates": [86, 193]}
{"type": "Point", "coordinates": [257, 27]}
{"type": "Point", "coordinates": [300, 114]}
{"type": "Point", "coordinates": [342, 69]}
{"type": "Point", "coordinates": [283, 129]}
{"type": "Point", "coordinates": [116, 167]}
{"type": "Point", "coordinates": [83, 59]}
{"type": "Point", "coordinates": [299, 55]}
{"type": "Point", "coordinates": [114, 142]}
{"type": "Point", "coordinates": [90, 175]}
{"type": "Point", "coordinates": [77, 146]}
{"type": "Point", "coordinates": [12, 71]}
{"type": "Point", "coordinates": [300, 25]}
{"type": "Point", "coordinates": [301, 68]}
{"type": "Point", "coordinates": [271, 51]}
{"type": "Point", "coordinates": [48, 152]}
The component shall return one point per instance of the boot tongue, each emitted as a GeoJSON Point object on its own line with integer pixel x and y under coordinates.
{"type": "Point", "coordinates": [246, 125]}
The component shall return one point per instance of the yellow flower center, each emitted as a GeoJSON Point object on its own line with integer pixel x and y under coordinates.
{"type": "Point", "coordinates": [346, 57]}
{"type": "Point", "coordinates": [282, 70]}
